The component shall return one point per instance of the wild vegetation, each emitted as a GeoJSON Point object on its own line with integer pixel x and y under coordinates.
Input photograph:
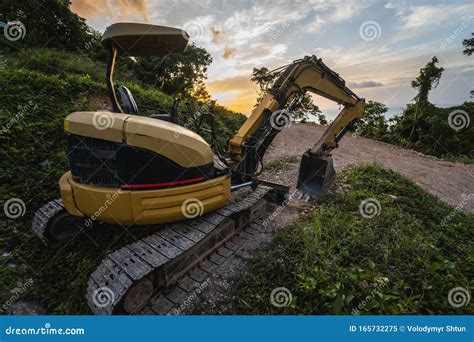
{"type": "Point", "coordinates": [422, 126]}
{"type": "Point", "coordinates": [403, 260]}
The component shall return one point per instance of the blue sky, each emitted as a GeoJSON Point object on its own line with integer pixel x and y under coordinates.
{"type": "Point", "coordinates": [378, 47]}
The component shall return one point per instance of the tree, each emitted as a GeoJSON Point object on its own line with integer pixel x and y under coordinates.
{"type": "Point", "coordinates": [373, 124]}
{"type": "Point", "coordinates": [176, 73]}
{"type": "Point", "coordinates": [468, 45]}
{"type": "Point", "coordinates": [265, 80]}
{"type": "Point", "coordinates": [47, 23]}
{"type": "Point", "coordinates": [427, 79]}
{"type": "Point", "coordinates": [469, 49]}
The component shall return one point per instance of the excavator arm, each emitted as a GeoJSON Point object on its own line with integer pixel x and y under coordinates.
{"type": "Point", "coordinates": [248, 145]}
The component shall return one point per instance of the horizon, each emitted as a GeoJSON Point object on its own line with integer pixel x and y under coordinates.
{"type": "Point", "coordinates": [377, 47]}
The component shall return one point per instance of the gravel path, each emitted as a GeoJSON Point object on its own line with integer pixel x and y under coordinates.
{"type": "Point", "coordinates": [449, 181]}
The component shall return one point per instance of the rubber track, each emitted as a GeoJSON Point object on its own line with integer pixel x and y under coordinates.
{"type": "Point", "coordinates": [178, 299]}
{"type": "Point", "coordinates": [43, 215]}
{"type": "Point", "coordinates": [121, 269]}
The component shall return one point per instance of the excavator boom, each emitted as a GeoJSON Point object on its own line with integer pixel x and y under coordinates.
{"type": "Point", "coordinates": [316, 175]}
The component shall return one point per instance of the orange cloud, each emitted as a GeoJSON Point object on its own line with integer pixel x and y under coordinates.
{"type": "Point", "coordinates": [229, 52]}
{"type": "Point", "coordinates": [216, 35]}
{"type": "Point", "coordinates": [94, 8]}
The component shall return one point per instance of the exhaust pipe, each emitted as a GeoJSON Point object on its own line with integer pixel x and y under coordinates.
{"type": "Point", "coordinates": [316, 175]}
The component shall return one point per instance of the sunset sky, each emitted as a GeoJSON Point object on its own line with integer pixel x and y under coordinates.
{"type": "Point", "coordinates": [376, 46]}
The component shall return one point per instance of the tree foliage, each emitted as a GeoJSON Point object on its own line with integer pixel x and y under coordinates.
{"type": "Point", "coordinates": [181, 74]}
{"type": "Point", "coordinates": [468, 46]}
{"type": "Point", "coordinates": [443, 132]}
{"type": "Point", "coordinates": [48, 24]}
{"type": "Point", "coordinates": [265, 80]}
{"type": "Point", "coordinates": [373, 124]}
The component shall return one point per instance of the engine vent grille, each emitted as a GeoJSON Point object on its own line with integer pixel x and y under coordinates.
{"type": "Point", "coordinates": [94, 161]}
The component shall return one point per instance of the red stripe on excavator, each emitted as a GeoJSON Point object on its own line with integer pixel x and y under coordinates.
{"type": "Point", "coordinates": [160, 185]}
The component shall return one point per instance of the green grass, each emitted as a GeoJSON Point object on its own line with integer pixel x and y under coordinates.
{"type": "Point", "coordinates": [335, 261]}
{"type": "Point", "coordinates": [280, 164]}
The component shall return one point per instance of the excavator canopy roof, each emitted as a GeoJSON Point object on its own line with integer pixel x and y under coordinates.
{"type": "Point", "coordinates": [134, 39]}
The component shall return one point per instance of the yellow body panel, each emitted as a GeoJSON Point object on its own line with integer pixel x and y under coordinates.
{"type": "Point", "coordinates": [172, 141]}
{"type": "Point", "coordinates": [117, 206]}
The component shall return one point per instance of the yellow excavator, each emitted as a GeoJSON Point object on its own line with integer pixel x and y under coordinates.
{"type": "Point", "coordinates": [128, 169]}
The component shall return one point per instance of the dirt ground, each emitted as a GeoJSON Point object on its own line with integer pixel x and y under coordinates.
{"type": "Point", "coordinates": [449, 181]}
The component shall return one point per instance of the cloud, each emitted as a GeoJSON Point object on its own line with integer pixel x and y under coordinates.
{"type": "Point", "coordinates": [426, 16]}
{"type": "Point", "coordinates": [334, 12]}
{"type": "Point", "coordinates": [216, 35]}
{"type": "Point", "coordinates": [365, 84]}
{"type": "Point", "coordinates": [316, 25]}
{"type": "Point", "coordinates": [229, 52]}
{"type": "Point", "coordinates": [120, 8]}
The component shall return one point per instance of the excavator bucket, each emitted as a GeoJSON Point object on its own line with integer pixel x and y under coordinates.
{"type": "Point", "coordinates": [316, 175]}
